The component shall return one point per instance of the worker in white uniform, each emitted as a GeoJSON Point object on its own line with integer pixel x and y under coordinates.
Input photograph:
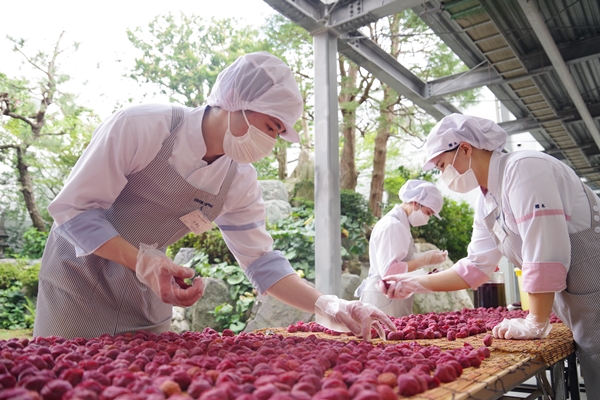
{"type": "Point", "coordinates": [536, 211]}
{"type": "Point", "coordinates": [150, 175]}
{"type": "Point", "coordinates": [392, 248]}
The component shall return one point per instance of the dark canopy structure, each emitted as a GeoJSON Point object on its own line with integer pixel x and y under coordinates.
{"type": "Point", "coordinates": [541, 58]}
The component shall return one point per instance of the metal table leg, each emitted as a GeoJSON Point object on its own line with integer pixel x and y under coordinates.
{"type": "Point", "coordinates": [559, 384]}
{"type": "Point", "coordinates": [572, 377]}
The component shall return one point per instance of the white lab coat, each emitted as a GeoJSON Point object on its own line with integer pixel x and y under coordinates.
{"type": "Point", "coordinates": [126, 142]}
{"type": "Point", "coordinates": [543, 202]}
{"type": "Point", "coordinates": [390, 247]}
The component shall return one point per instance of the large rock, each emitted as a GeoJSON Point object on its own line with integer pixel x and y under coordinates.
{"type": "Point", "coordinates": [349, 284]}
{"type": "Point", "coordinates": [268, 312]}
{"type": "Point", "coordinates": [179, 322]}
{"type": "Point", "coordinates": [305, 168]}
{"type": "Point", "coordinates": [440, 301]}
{"type": "Point", "coordinates": [277, 210]}
{"type": "Point", "coordinates": [273, 190]}
{"type": "Point", "coordinates": [216, 292]}
{"type": "Point", "coordinates": [302, 190]}
{"type": "Point", "coordinates": [184, 255]}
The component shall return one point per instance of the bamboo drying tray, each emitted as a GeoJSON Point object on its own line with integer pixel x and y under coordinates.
{"type": "Point", "coordinates": [511, 361]}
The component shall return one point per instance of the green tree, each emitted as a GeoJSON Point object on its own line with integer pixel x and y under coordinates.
{"type": "Point", "coordinates": [395, 179]}
{"type": "Point", "coordinates": [183, 55]}
{"type": "Point", "coordinates": [452, 232]}
{"type": "Point", "coordinates": [406, 38]}
{"type": "Point", "coordinates": [355, 89]}
{"type": "Point", "coordinates": [293, 45]}
{"type": "Point", "coordinates": [39, 122]}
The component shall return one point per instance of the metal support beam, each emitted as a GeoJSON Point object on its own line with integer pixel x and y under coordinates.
{"type": "Point", "coordinates": [367, 54]}
{"type": "Point", "coordinates": [301, 12]}
{"type": "Point", "coordinates": [538, 24]}
{"type": "Point", "coordinates": [362, 50]}
{"type": "Point", "coordinates": [328, 259]}
{"type": "Point", "coordinates": [537, 64]}
{"type": "Point", "coordinates": [355, 14]}
{"type": "Point", "coordinates": [520, 125]}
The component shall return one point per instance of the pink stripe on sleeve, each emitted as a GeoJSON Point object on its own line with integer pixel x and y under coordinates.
{"type": "Point", "coordinates": [544, 277]}
{"type": "Point", "coordinates": [397, 267]}
{"type": "Point", "coordinates": [470, 273]}
{"type": "Point", "coordinates": [542, 213]}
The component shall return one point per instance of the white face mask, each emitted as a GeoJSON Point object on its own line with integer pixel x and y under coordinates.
{"type": "Point", "coordinates": [252, 146]}
{"type": "Point", "coordinates": [418, 218]}
{"type": "Point", "coordinates": [461, 183]}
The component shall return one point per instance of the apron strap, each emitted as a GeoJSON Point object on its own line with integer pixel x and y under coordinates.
{"type": "Point", "coordinates": [176, 121]}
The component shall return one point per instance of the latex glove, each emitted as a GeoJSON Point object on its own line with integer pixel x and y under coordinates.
{"type": "Point", "coordinates": [157, 271]}
{"type": "Point", "coordinates": [402, 286]}
{"type": "Point", "coordinates": [354, 316]}
{"type": "Point", "coordinates": [433, 257]}
{"type": "Point", "coordinates": [518, 328]}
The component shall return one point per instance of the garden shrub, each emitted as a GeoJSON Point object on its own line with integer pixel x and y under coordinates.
{"type": "Point", "coordinates": [295, 238]}
{"type": "Point", "coordinates": [15, 309]}
{"type": "Point", "coordinates": [18, 288]}
{"type": "Point", "coordinates": [356, 218]}
{"type": "Point", "coordinates": [34, 242]}
{"type": "Point", "coordinates": [210, 243]}
{"type": "Point", "coordinates": [240, 291]}
{"type": "Point", "coordinates": [452, 232]}
{"type": "Point", "coordinates": [9, 273]}
{"type": "Point", "coordinates": [29, 277]}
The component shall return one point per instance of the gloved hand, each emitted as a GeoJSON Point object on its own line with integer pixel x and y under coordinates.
{"type": "Point", "coordinates": [157, 271]}
{"type": "Point", "coordinates": [402, 286]}
{"type": "Point", "coordinates": [518, 328]}
{"type": "Point", "coordinates": [433, 257]}
{"type": "Point", "coordinates": [354, 316]}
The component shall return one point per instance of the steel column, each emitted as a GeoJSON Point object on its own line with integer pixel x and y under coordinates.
{"type": "Point", "coordinates": [328, 260]}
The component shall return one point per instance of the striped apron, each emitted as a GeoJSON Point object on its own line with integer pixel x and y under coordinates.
{"type": "Point", "coordinates": [89, 296]}
{"type": "Point", "coordinates": [578, 306]}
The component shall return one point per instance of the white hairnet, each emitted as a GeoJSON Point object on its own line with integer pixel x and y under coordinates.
{"type": "Point", "coordinates": [263, 83]}
{"type": "Point", "coordinates": [453, 129]}
{"type": "Point", "coordinates": [424, 193]}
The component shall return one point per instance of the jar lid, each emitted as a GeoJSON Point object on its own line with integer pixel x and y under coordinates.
{"type": "Point", "coordinates": [497, 277]}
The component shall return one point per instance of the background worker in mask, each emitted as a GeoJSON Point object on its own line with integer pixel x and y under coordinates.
{"type": "Point", "coordinates": [150, 175]}
{"type": "Point", "coordinates": [533, 209]}
{"type": "Point", "coordinates": [392, 248]}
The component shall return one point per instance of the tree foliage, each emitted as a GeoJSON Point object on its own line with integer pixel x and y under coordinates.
{"type": "Point", "coordinates": [452, 232]}
{"type": "Point", "coordinates": [183, 55]}
{"type": "Point", "coordinates": [395, 179]}
{"type": "Point", "coordinates": [293, 44]}
{"type": "Point", "coordinates": [408, 39]}
{"type": "Point", "coordinates": [41, 132]}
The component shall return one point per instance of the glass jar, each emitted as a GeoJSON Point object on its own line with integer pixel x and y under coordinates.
{"type": "Point", "coordinates": [492, 293]}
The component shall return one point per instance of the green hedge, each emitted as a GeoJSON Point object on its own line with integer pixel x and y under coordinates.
{"type": "Point", "coordinates": [18, 288]}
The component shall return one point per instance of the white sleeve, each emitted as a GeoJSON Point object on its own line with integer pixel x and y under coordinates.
{"type": "Point", "coordinates": [98, 178]}
{"type": "Point", "coordinates": [483, 253]}
{"type": "Point", "coordinates": [244, 230]}
{"type": "Point", "coordinates": [100, 174]}
{"type": "Point", "coordinates": [534, 197]}
{"type": "Point", "coordinates": [389, 243]}
{"type": "Point", "coordinates": [243, 221]}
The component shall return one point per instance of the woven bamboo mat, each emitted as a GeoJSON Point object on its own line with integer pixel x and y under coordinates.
{"type": "Point", "coordinates": [487, 377]}
{"type": "Point", "coordinates": [555, 347]}
{"type": "Point", "coordinates": [510, 361]}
